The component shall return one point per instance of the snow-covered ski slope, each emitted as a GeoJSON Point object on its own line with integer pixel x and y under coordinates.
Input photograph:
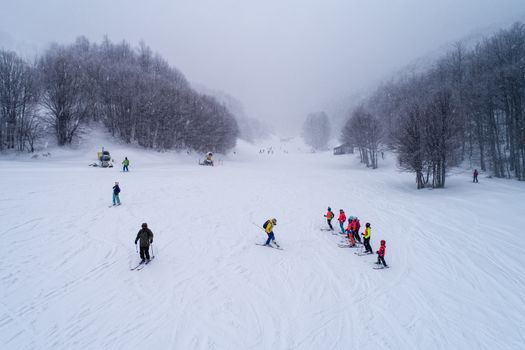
{"type": "Point", "coordinates": [457, 257]}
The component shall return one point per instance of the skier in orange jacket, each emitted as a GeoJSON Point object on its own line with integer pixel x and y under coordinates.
{"type": "Point", "coordinates": [329, 216]}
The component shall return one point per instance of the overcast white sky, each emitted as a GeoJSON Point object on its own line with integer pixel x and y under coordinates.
{"type": "Point", "coordinates": [280, 58]}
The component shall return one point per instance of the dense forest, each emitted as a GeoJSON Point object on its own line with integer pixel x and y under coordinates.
{"type": "Point", "coordinates": [469, 106]}
{"type": "Point", "coordinates": [133, 92]}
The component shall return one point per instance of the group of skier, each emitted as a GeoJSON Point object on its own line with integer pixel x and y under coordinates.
{"type": "Point", "coordinates": [353, 225]}
{"type": "Point", "coordinates": [352, 233]}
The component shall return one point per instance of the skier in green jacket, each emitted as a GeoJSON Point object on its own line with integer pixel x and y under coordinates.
{"type": "Point", "coordinates": [125, 164]}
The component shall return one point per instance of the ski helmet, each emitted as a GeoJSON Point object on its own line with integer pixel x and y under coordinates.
{"type": "Point", "coordinates": [367, 224]}
{"type": "Point", "coordinates": [144, 225]}
{"type": "Point", "coordinates": [341, 211]}
{"type": "Point", "coordinates": [329, 209]}
{"type": "Point", "coordinates": [274, 221]}
{"type": "Point", "coordinates": [383, 242]}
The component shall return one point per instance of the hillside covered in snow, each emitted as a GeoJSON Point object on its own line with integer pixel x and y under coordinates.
{"type": "Point", "coordinates": [455, 281]}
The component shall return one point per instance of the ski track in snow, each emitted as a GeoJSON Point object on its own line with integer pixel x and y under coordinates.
{"type": "Point", "coordinates": [456, 279]}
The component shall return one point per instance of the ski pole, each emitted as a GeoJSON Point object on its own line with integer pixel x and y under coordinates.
{"type": "Point", "coordinates": [254, 224]}
{"type": "Point", "coordinates": [136, 248]}
{"type": "Point", "coordinates": [152, 252]}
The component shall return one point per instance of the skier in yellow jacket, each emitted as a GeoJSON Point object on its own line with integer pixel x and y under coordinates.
{"type": "Point", "coordinates": [366, 235]}
{"type": "Point", "coordinates": [268, 228]}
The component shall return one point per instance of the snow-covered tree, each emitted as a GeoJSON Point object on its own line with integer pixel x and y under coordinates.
{"type": "Point", "coordinates": [364, 131]}
{"type": "Point", "coordinates": [135, 93]}
{"type": "Point", "coordinates": [19, 126]}
{"type": "Point", "coordinates": [316, 130]}
{"type": "Point", "coordinates": [469, 105]}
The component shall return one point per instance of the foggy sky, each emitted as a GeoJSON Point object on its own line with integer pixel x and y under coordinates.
{"type": "Point", "coordinates": [280, 58]}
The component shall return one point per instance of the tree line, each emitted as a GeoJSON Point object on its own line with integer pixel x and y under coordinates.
{"type": "Point", "coordinates": [136, 94]}
{"type": "Point", "coordinates": [468, 106]}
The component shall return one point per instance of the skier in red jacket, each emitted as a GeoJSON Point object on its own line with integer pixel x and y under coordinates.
{"type": "Point", "coordinates": [350, 231]}
{"type": "Point", "coordinates": [357, 226]}
{"type": "Point", "coordinates": [342, 220]}
{"type": "Point", "coordinates": [381, 254]}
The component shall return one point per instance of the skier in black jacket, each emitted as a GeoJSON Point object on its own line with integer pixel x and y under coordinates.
{"type": "Point", "coordinates": [146, 238]}
{"type": "Point", "coordinates": [116, 191]}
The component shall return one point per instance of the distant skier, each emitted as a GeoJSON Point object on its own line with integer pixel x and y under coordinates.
{"type": "Point", "coordinates": [475, 175]}
{"type": "Point", "coordinates": [366, 236]}
{"type": "Point", "coordinates": [342, 220]}
{"type": "Point", "coordinates": [356, 226]}
{"type": "Point", "coordinates": [125, 164]}
{"type": "Point", "coordinates": [116, 191]}
{"type": "Point", "coordinates": [268, 228]}
{"type": "Point", "coordinates": [329, 216]}
{"type": "Point", "coordinates": [381, 254]}
{"type": "Point", "coordinates": [350, 231]}
{"type": "Point", "coordinates": [146, 238]}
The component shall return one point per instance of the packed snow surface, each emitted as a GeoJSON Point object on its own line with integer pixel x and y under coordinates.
{"type": "Point", "coordinates": [457, 276]}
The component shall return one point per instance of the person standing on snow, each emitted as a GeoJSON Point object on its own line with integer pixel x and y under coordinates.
{"type": "Point", "coordinates": [146, 238]}
{"type": "Point", "coordinates": [116, 191]}
{"type": "Point", "coordinates": [268, 228]}
{"type": "Point", "coordinates": [366, 236]}
{"type": "Point", "coordinates": [381, 254]}
{"type": "Point", "coordinates": [350, 231]}
{"type": "Point", "coordinates": [475, 175]}
{"type": "Point", "coordinates": [356, 227]}
{"type": "Point", "coordinates": [125, 164]}
{"type": "Point", "coordinates": [329, 216]}
{"type": "Point", "coordinates": [342, 220]}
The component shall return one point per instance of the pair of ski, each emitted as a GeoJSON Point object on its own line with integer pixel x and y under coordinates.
{"type": "Point", "coordinates": [347, 246]}
{"type": "Point", "coordinates": [115, 205]}
{"type": "Point", "coordinates": [141, 265]}
{"type": "Point", "coordinates": [334, 232]}
{"type": "Point", "coordinates": [380, 267]}
{"type": "Point", "coordinates": [362, 253]}
{"type": "Point", "coordinates": [270, 246]}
